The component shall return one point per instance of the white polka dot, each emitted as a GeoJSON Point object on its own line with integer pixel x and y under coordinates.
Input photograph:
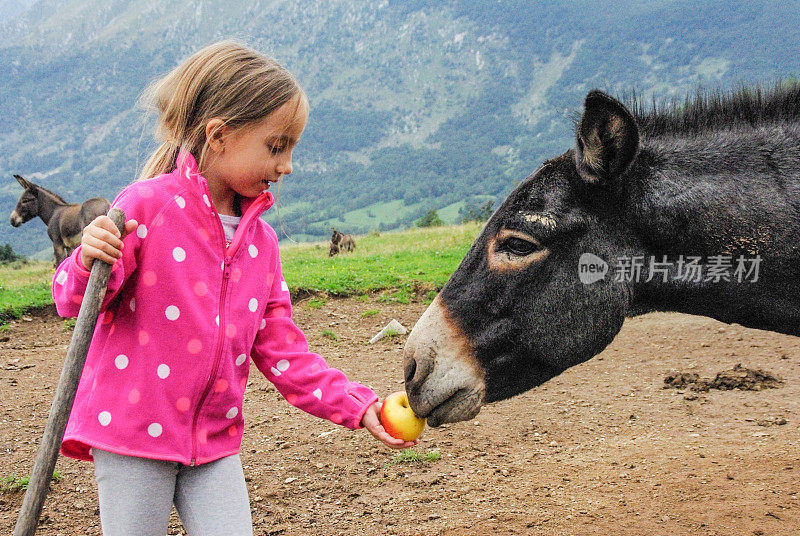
{"type": "Point", "coordinates": [284, 286]}
{"type": "Point", "coordinates": [104, 418]}
{"type": "Point", "coordinates": [172, 312]}
{"type": "Point", "coordinates": [61, 278]}
{"type": "Point", "coordinates": [253, 250]}
{"type": "Point", "coordinates": [318, 393]}
{"type": "Point", "coordinates": [180, 201]}
{"type": "Point", "coordinates": [222, 266]}
{"type": "Point", "coordinates": [133, 304]}
{"type": "Point", "coordinates": [275, 371]}
{"type": "Point", "coordinates": [154, 429]}
{"type": "Point", "coordinates": [205, 198]}
{"type": "Point", "coordinates": [241, 359]}
{"type": "Point", "coordinates": [179, 254]}
{"type": "Point", "coordinates": [233, 412]}
{"type": "Point", "coordinates": [253, 305]}
{"type": "Point", "coordinates": [282, 365]}
{"type": "Point", "coordinates": [121, 361]}
{"type": "Point", "coordinates": [162, 371]}
{"type": "Point", "coordinates": [141, 231]}
{"type": "Point", "coordinates": [263, 324]}
{"type": "Point", "coordinates": [216, 320]}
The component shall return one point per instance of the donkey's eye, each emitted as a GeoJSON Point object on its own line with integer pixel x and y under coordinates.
{"type": "Point", "coordinates": [514, 250]}
{"type": "Point", "coordinates": [519, 246]}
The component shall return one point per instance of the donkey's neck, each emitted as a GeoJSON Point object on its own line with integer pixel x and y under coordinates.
{"type": "Point", "coordinates": [48, 205]}
{"type": "Point", "coordinates": [730, 203]}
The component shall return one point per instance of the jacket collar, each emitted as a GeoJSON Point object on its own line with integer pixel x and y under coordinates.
{"type": "Point", "coordinates": [189, 174]}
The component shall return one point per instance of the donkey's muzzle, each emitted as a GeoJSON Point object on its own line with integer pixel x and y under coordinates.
{"type": "Point", "coordinates": [443, 379]}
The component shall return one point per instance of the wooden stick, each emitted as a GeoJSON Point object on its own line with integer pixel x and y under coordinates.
{"type": "Point", "coordinates": [47, 455]}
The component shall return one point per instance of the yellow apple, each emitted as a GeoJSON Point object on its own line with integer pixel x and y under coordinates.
{"type": "Point", "coordinates": [399, 419]}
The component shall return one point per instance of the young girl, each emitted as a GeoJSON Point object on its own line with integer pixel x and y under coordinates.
{"type": "Point", "coordinates": [195, 292]}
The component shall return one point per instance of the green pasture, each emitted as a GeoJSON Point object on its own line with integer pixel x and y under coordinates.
{"type": "Point", "coordinates": [24, 286]}
{"type": "Point", "coordinates": [405, 261]}
{"type": "Point", "coordinates": [394, 266]}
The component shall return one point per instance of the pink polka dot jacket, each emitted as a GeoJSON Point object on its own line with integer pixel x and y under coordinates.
{"type": "Point", "coordinates": [182, 317]}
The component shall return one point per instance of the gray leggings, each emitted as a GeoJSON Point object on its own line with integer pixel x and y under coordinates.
{"type": "Point", "coordinates": [136, 496]}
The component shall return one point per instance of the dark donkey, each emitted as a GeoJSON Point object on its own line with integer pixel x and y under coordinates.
{"type": "Point", "coordinates": [336, 238]}
{"type": "Point", "coordinates": [65, 221]}
{"type": "Point", "coordinates": [641, 215]}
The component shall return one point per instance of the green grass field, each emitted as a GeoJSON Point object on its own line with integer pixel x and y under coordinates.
{"type": "Point", "coordinates": [23, 287]}
{"type": "Point", "coordinates": [404, 261]}
{"type": "Point", "coordinates": [399, 265]}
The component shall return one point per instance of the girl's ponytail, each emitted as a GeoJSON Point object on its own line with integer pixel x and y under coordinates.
{"type": "Point", "coordinates": [161, 161]}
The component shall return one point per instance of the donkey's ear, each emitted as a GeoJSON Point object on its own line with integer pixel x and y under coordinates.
{"type": "Point", "coordinates": [606, 140]}
{"type": "Point", "coordinates": [25, 183]}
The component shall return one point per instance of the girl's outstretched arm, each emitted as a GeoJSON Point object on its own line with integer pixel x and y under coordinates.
{"type": "Point", "coordinates": [305, 380]}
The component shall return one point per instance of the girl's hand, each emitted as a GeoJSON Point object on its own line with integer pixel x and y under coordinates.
{"type": "Point", "coordinates": [372, 422]}
{"type": "Point", "coordinates": [101, 240]}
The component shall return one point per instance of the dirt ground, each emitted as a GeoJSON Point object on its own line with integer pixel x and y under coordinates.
{"type": "Point", "coordinates": [602, 449]}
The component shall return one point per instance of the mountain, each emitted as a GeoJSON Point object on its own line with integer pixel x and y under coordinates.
{"type": "Point", "coordinates": [416, 104]}
{"type": "Point", "coordinates": [11, 8]}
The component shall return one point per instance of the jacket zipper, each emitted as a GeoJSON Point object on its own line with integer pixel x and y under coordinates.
{"type": "Point", "coordinates": [230, 251]}
{"type": "Point", "coordinates": [252, 213]}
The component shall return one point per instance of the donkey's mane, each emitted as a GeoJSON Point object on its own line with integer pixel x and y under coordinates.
{"type": "Point", "coordinates": [55, 195]}
{"type": "Point", "coordinates": [714, 110]}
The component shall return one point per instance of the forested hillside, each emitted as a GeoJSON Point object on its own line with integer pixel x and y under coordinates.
{"type": "Point", "coordinates": [416, 104]}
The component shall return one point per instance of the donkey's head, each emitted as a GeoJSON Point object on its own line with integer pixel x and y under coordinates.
{"type": "Point", "coordinates": [28, 204]}
{"type": "Point", "coordinates": [516, 312]}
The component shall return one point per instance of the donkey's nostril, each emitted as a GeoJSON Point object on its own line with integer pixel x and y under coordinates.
{"type": "Point", "coordinates": [411, 369]}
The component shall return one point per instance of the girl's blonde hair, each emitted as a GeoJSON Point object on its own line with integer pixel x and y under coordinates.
{"type": "Point", "coordinates": [225, 80]}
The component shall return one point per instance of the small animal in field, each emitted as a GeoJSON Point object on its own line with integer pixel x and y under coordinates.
{"type": "Point", "coordinates": [341, 242]}
{"type": "Point", "coordinates": [65, 221]}
{"type": "Point", "coordinates": [336, 237]}
{"type": "Point", "coordinates": [692, 208]}
{"type": "Point", "coordinates": [348, 243]}
{"type": "Point", "coordinates": [333, 249]}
